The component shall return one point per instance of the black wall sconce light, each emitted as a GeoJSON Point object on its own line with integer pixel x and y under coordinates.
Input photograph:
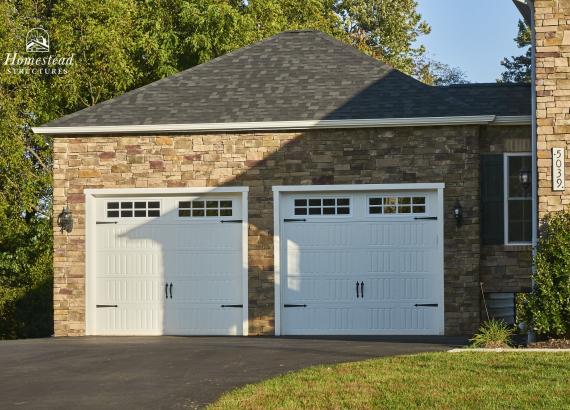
{"type": "Point", "coordinates": [65, 220]}
{"type": "Point", "coordinates": [458, 213]}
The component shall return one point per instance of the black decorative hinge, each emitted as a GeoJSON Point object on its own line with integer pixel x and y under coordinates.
{"type": "Point", "coordinates": [287, 305]}
{"type": "Point", "coordinates": [106, 222]}
{"type": "Point", "coordinates": [431, 218]}
{"type": "Point", "coordinates": [294, 220]}
{"type": "Point", "coordinates": [427, 304]}
{"type": "Point", "coordinates": [232, 306]}
{"type": "Point", "coordinates": [232, 221]}
{"type": "Point", "coordinates": [103, 306]}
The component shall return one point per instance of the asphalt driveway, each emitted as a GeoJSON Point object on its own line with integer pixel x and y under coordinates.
{"type": "Point", "coordinates": [168, 372]}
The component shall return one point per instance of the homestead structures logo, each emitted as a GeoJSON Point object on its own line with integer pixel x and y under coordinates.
{"type": "Point", "coordinates": [37, 41]}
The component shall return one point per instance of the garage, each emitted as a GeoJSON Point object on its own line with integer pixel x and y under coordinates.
{"type": "Point", "coordinates": [359, 259]}
{"type": "Point", "coordinates": [166, 262]}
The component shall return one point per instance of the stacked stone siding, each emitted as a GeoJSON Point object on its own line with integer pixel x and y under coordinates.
{"type": "Point", "coordinates": [260, 161]}
{"type": "Point", "coordinates": [552, 23]}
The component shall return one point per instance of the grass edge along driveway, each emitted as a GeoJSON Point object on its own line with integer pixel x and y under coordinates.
{"type": "Point", "coordinates": [431, 380]}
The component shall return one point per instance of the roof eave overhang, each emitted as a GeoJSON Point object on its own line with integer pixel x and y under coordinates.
{"type": "Point", "coordinates": [282, 125]}
{"type": "Point", "coordinates": [524, 8]}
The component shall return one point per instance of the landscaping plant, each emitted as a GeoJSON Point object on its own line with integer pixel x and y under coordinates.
{"type": "Point", "coordinates": [547, 308]}
{"type": "Point", "coordinates": [493, 334]}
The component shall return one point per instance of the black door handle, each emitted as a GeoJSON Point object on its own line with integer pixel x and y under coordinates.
{"type": "Point", "coordinates": [170, 290]}
{"type": "Point", "coordinates": [357, 294]}
{"type": "Point", "coordinates": [166, 290]}
{"type": "Point", "coordinates": [362, 289]}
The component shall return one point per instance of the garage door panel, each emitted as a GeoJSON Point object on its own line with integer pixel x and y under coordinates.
{"type": "Point", "coordinates": [316, 288]}
{"type": "Point", "coordinates": [132, 290]}
{"type": "Point", "coordinates": [138, 259]}
{"type": "Point", "coordinates": [200, 263]}
{"type": "Point", "coordinates": [395, 260]}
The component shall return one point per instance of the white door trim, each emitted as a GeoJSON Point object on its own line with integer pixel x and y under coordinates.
{"type": "Point", "coordinates": [277, 251]}
{"type": "Point", "coordinates": [90, 220]}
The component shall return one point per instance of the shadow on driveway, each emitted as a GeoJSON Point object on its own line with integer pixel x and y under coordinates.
{"type": "Point", "coordinates": [170, 372]}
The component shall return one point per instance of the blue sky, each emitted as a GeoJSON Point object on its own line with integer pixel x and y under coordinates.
{"type": "Point", "coordinates": [472, 35]}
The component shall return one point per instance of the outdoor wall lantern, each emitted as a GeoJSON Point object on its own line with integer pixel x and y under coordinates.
{"type": "Point", "coordinates": [65, 220]}
{"type": "Point", "coordinates": [524, 178]}
{"type": "Point", "coordinates": [458, 213]}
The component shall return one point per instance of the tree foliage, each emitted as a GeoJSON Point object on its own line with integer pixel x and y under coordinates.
{"type": "Point", "coordinates": [518, 68]}
{"type": "Point", "coordinates": [119, 45]}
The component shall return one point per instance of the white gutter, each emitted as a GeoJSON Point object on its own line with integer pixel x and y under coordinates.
{"type": "Point", "coordinates": [287, 125]}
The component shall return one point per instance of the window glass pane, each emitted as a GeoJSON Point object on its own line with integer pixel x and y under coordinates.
{"type": "Point", "coordinates": [404, 200]}
{"type": "Point", "coordinates": [520, 221]}
{"type": "Point", "coordinates": [140, 213]}
{"type": "Point", "coordinates": [328, 211]}
{"type": "Point", "coordinates": [300, 211]}
{"type": "Point", "coordinates": [211, 212]}
{"type": "Point", "coordinates": [112, 205]}
{"type": "Point", "coordinates": [375, 201]}
{"type": "Point", "coordinates": [343, 211]}
{"type": "Point", "coordinates": [314, 202]}
{"type": "Point", "coordinates": [343, 202]}
{"type": "Point", "coordinates": [197, 204]}
{"type": "Point", "coordinates": [197, 212]}
{"type": "Point", "coordinates": [184, 204]}
{"type": "Point", "coordinates": [516, 164]}
{"type": "Point", "coordinates": [300, 202]}
{"type": "Point", "coordinates": [226, 212]}
{"type": "Point", "coordinates": [390, 201]}
{"type": "Point", "coordinates": [314, 211]}
{"type": "Point", "coordinates": [140, 205]}
{"type": "Point", "coordinates": [328, 202]}
{"type": "Point", "coordinates": [112, 214]}
{"type": "Point", "coordinates": [182, 212]}
{"type": "Point", "coordinates": [404, 210]}
{"type": "Point", "coordinates": [126, 205]}
{"type": "Point", "coordinates": [225, 204]}
{"type": "Point", "coordinates": [419, 200]}
{"type": "Point", "coordinates": [389, 209]}
{"type": "Point", "coordinates": [375, 210]}
{"type": "Point", "coordinates": [153, 212]}
{"type": "Point", "coordinates": [154, 204]}
{"type": "Point", "coordinates": [126, 214]}
{"type": "Point", "coordinates": [419, 209]}
{"type": "Point", "coordinates": [211, 204]}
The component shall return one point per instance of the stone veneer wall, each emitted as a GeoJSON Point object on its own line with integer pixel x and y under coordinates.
{"type": "Point", "coordinates": [505, 268]}
{"type": "Point", "coordinates": [260, 161]}
{"type": "Point", "coordinates": [552, 22]}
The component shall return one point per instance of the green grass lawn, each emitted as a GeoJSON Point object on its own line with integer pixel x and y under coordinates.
{"type": "Point", "coordinates": [430, 381]}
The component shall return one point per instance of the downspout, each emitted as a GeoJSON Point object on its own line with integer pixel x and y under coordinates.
{"type": "Point", "coordinates": [531, 337]}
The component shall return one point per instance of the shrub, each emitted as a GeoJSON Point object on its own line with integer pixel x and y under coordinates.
{"type": "Point", "coordinates": [493, 334]}
{"type": "Point", "coordinates": [547, 308]}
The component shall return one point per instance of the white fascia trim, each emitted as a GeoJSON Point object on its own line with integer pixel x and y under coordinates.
{"type": "Point", "coordinates": [358, 187]}
{"type": "Point", "coordinates": [270, 125]}
{"type": "Point", "coordinates": [164, 191]}
{"type": "Point", "coordinates": [513, 120]}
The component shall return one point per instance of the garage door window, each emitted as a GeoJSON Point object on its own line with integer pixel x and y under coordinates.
{"type": "Point", "coordinates": [205, 208]}
{"type": "Point", "coordinates": [322, 206]}
{"type": "Point", "coordinates": [392, 205]}
{"type": "Point", "coordinates": [133, 209]}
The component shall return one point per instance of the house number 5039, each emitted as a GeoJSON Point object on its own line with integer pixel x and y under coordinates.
{"type": "Point", "coordinates": [558, 181]}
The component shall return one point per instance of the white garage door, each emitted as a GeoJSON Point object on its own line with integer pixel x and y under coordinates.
{"type": "Point", "coordinates": [168, 265]}
{"type": "Point", "coordinates": [366, 262]}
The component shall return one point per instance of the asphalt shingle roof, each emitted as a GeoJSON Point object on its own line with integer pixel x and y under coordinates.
{"type": "Point", "coordinates": [295, 75]}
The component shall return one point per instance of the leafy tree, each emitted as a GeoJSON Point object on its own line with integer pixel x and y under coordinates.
{"type": "Point", "coordinates": [434, 72]}
{"type": "Point", "coordinates": [518, 68]}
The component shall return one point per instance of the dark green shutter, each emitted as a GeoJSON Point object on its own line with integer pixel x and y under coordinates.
{"type": "Point", "coordinates": [492, 200]}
